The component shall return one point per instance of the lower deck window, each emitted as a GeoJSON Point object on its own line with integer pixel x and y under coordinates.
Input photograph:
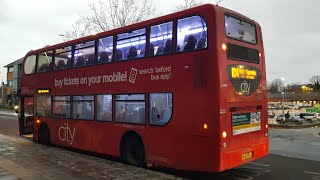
{"type": "Point", "coordinates": [43, 106]}
{"type": "Point", "coordinates": [61, 106]}
{"type": "Point", "coordinates": [104, 107]}
{"type": "Point", "coordinates": [83, 107]}
{"type": "Point", "coordinates": [130, 108]}
{"type": "Point", "coordinates": [160, 108]}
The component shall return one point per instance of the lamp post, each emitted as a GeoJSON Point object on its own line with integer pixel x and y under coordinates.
{"type": "Point", "coordinates": [283, 95]}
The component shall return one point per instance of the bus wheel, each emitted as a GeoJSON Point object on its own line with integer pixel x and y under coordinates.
{"type": "Point", "coordinates": [44, 135]}
{"type": "Point", "coordinates": [132, 151]}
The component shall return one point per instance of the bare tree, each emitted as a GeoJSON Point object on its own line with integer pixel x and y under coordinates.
{"type": "Point", "coordinates": [80, 29]}
{"type": "Point", "coordinates": [188, 4]}
{"type": "Point", "coordinates": [218, 1]}
{"type": "Point", "coordinates": [111, 14]}
{"type": "Point", "coordinates": [315, 81]}
{"type": "Point", "coordinates": [276, 86]}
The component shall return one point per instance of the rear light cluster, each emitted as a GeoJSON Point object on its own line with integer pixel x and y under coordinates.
{"type": "Point", "coordinates": [267, 126]}
{"type": "Point", "coordinates": [224, 134]}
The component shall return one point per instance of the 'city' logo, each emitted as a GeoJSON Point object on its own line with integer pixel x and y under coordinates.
{"type": "Point", "coordinates": [66, 134]}
{"type": "Point", "coordinates": [245, 87]}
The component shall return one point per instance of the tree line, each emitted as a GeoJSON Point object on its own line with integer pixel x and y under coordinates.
{"type": "Point", "coordinates": [278, 86]}
{"type": "Point", "coordinates": [106, 15]}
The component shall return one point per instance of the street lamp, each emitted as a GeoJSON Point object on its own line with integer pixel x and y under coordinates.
{"type": "Point", "coordinates": [283, 94]}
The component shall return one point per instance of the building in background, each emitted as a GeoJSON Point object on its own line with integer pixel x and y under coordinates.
{"type": "Point", "coordinates": [3, 94]}
{"type": "Point", "coordinates": [13, 82]}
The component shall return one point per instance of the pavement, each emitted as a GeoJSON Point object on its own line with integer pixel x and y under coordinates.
{"type": "Point", "coordinates": [21, 158]}
{"type": "Point", "coordinates": [8, 112]}
{"type": "Point", "coordinates": [6, 175]}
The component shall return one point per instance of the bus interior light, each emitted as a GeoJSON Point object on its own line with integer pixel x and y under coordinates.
{"type": "Point", "coordinates": [224, 47]}
{"type": "Point", "coordinates": [224, 134]}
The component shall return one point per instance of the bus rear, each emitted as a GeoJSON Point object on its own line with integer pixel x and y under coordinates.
{"type": "Point", "coordinates": [243, 97]}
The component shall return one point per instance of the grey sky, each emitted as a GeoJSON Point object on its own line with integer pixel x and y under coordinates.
{"type": "Point", "coordinates": [291, 31]}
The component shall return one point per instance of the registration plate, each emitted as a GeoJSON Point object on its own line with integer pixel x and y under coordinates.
{"type": "Point", "coordinates": [247, 155]}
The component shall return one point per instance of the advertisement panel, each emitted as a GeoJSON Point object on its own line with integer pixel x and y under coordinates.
{"type": "Point", "coordinates": [246, 122]}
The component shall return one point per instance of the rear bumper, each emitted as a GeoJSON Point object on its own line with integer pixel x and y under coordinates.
{"type": "Point", "coordinates": [238, 157]}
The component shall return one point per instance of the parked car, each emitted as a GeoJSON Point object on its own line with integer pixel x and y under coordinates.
{"type": "Point", "coordinates": [296, 107]}
{"type": "Point", "coordinates": [296, 119]}
{"type": "Point", "coordinates": [309, 117]}
{"type": "Point", "coordinates": [281, 119]}
{"type": "Point", "coordinates": [271, 114]}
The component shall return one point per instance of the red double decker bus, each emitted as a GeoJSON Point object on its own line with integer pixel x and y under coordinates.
{"type": "Point", "coordinates": [184, 91]}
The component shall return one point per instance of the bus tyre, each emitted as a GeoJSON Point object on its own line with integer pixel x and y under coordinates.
{"type": "Point", "coordinates": [132, 151]}
{"type": "Point", "coordinates": [44, 135]}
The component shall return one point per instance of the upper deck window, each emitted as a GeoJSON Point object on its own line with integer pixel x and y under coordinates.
{"type": "Point", "coordinates": [105, 50]}
{"type": "Point", "coordinates": [240, 30]}
{"type": "Point", "coordinates": [131, 45]}
{"type": "Point", "coordinates": [192, 34]}
{"type": "Point", "coordinates": [84, 54]}
{"type": "Point", "coordinates": [62, 58]}
{"type": "Point", "coordinates": [161, 39]}
{"type": "Point", "coordinates": [30, 64]}
{"type": "Point", "coordinates": [45, 61]}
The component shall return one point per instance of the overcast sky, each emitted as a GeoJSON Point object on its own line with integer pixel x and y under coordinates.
{"type": "Point", "coordinates": [291, 30]}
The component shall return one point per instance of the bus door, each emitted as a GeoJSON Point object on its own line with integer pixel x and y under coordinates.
{"type": "Point", "coordinates": [26, 116]}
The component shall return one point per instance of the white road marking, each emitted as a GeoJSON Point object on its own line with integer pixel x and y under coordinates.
{"type": "Point", "coordinates": [298, 141]}
{"type": "Point", "coordinates": [266, 165]}
{"type": "Point", "coordinates": [308, 172]}
{"type": "Point", "coordinates": [299, 157]}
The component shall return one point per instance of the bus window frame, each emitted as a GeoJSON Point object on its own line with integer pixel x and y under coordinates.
{"type": "Point", "coordinates": [36, 107]}
{"type": "Point", "coordinates": [52, 100]}
{"type": "Point", "coordinates": [173, 50]}
{"type": "Point", "coordinates": [145, 104]}
{"type": "Point", "coordinates": [52, 61]}
{"type": "Point", "coordinates": [242, 19]}
{"type": "Point", "coordinates": [112, 109]}
{"type": "Point", "coordinates": [176, 34]}
{"type": "Point", "coordinates": [115, 41]}
{"type": "Point", "coordinates": [149, 111]}
{"type": "Point", "coordinates": [75, 49]}
{"type": "Point", "coordinates": [71, 107]}
{"type": "Point", "coordinates": [72, 56]}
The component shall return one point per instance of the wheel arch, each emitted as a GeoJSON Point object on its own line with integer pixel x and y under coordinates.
{"type": "Point", "coordinates": [126, 136]}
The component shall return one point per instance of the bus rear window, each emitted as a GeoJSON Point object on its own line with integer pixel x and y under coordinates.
{"type": "Point", "coordinates": [240, 30]}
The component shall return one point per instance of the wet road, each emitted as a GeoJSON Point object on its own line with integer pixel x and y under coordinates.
{"type": "Point", "coordinates": [25, 159]}
{"type": "Point", "coordinates": [9, 123]}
